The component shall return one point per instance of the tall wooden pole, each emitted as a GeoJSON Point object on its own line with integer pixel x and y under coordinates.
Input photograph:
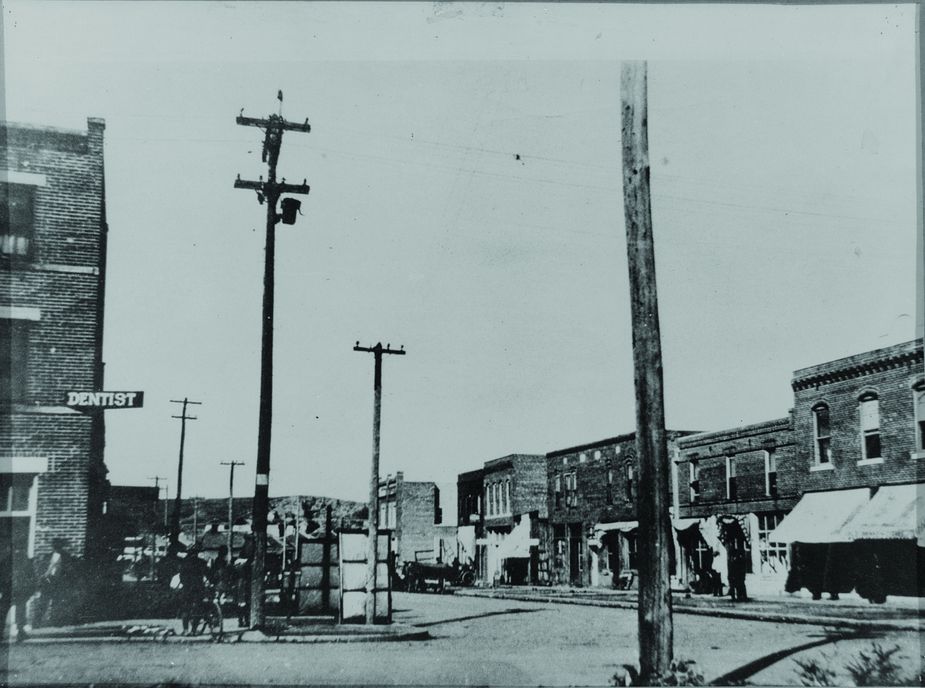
{"type": "Point", "coordinates": [268, 192]}
{"type": "Point", "coordinates": [372, 552]}
{"type": "Point", "coordinates": [655, 623]}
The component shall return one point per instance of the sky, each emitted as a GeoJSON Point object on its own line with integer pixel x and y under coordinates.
{"type": "Point", "coordinates": [466, 203]}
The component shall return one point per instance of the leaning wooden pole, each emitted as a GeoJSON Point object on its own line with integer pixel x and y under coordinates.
{"type": "Point", "coordinates": [655, 624]}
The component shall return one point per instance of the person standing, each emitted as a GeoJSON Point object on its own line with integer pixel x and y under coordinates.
{"type": "Point", "coordinates": [194, 575]}
{"type": "Point", "coordinates": [52, 585]}
{"type": "Point", "coordinates": [737, 569]}
{"type": "Point", "coordinates": [17, 585]}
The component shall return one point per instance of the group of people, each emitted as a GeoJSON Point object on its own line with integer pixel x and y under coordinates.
{"type": "Point", "coordinates": [710, 581]}
{"type": "Point", "coordinates": [198, 581]}
{"type": "Point", "coordinates": [20, 584]}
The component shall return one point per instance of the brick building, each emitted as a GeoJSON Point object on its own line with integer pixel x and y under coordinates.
{"type": "Point", "coordinates": [858, 436]}
{"type": "Point", "coordinates": [735, 487]}
{"type": "Point", "coordinates": [591, 493]}
{"type": "Point", "coordinates": [502, 513]}
{"type": "Point", "coordinates": [469, 489]}
{"type": "Point", "coordinates": [419, 515]}
{"type": "Point", "coordinates": [53, 250]}
{"type": "Point", "coordinates": [820, 498]}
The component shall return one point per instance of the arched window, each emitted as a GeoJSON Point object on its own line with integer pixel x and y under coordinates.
{"type": "Point", "coordinates": [869, 413]}
{"type": "Point", "coordinates": [823, 437]}
{"type": "Point", "coordinates": [630, 483]}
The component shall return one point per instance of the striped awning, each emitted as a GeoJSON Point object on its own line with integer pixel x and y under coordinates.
{"type": "Point", "coordinates": [820, 516]}
{"type": "Point", "coordinates": [896, 512]}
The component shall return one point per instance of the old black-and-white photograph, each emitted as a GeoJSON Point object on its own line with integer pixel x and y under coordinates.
{"type": "Point", "coordinates": [461, 343]}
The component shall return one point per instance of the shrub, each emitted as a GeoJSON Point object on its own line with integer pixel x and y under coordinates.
{"type": "Point", "coordinates": [681, 672]}
{"type": "Point", "coordinates": [877, 667]}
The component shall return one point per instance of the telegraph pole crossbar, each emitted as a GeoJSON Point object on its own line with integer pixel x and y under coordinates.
{"type": "Point", "coordinates": [372, 552]}
{"type": "Point", "coordinates": [269, 192]}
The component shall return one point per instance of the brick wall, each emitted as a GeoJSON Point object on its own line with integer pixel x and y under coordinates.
{"type": "Point", "coordinates": [604, 493]}
{"type": "Point", "coordinates": [528, 492]}
{"type": "Point", "coordinates": [890, 374]}
{"type": "Point", "coordinates": [748, 446]}
{"type": "Point", "coordinates": [64, 281]}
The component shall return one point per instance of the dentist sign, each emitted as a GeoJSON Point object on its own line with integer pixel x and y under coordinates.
{"type": "Point", "coordinates": [105, 400]}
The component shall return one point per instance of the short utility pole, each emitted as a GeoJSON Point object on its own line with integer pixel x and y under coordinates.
{"type": "Point", "coordinates": [175, 528]}
{"type": "Point", "coordinates": [268, 192]}
{"type": "Point", "coordinates": [372, 552]}
{"type": "Point", "coordinates": [231, 465]}
{"type": "Point", "coordinates": [655, 623]}
{"type": "Point", "coordinates": [157, 486]}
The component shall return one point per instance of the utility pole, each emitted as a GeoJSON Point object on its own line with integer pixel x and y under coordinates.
{"type": "Point", "coordinates": [195, 519]}
{"type": "Point", "coordinates": [231, 465]}
{"type": "Point", "coordinates": [157, 486]}
{"type": "Point", "coordinates": [655, 622]}
{"type": "Point", "coordinates": [175, 529]}
{"type": "Point", "coordinates": [373, 544]}
{"type": "Point", "coordinates": [268, 192]}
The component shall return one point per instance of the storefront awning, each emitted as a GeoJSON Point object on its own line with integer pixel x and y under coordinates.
{"type": "Point", "coordinates": [685, 523]}
{"type": "Point", "coordinates": [896, 512]}
{"type": "Point", "coordinates": [820, 516]}
{"type": "Point", "coordinates": [622, 526]}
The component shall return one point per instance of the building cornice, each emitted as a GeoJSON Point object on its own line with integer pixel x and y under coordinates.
{"type": "Point", "coordinates": [776, 425]}
{"type": "Point", "coordinates": [857, 366]}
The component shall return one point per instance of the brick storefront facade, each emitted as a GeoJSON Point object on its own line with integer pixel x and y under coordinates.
{"type": "Point", "coordinates": [53, 250]}
{"type": "Point", "coordinates": [594, 486]}
{"type": "Point", "coordinates": [742, 481]}
{"type": "Point", "coordinates": [856, 424]}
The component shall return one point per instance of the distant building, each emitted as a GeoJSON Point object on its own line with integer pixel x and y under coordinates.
{"type": "Point", "coordinates": [591, 492]}
{"type": "Point", "coordinates": [418, 514]}
{"type": "Point", "coordinates": [502, 512]}
{"type": "Point", "coordinates": [53, 255]}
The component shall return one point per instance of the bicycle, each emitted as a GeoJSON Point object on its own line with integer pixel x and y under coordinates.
{"type": "Point", "coordinates": [209, 612]}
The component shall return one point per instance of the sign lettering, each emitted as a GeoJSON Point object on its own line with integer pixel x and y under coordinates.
{"type": "Point", "coordinates": [105, 400]}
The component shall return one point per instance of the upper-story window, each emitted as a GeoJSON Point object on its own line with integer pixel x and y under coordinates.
{"type": "Point", "coordinates": [770, 474]}
{"type": "Point", "coordinates": [507, 496]}
{"type": "Point", "coordinates": [869, 408]}
{"type": "Point", "coordinates": [557, 490]}
{"type": "Point", "coordinates": [732, 492]}
{"type": "Point", "coordinates": [608, 497]}
{"type": "Point", "coordinates": [918, 395]}
{"type": "Point", "coordinates": [630, 483]}
{"type": "Point", "coordinates": [16, 220]}
{"type": "Point", "coordinates": [571, 489]}
{"type": "Point", "coordinates": [14, 359]}
{"type": "Point", "coordinates": [822, 432]}
{"type": "Point", "coordinates": [694, 480]}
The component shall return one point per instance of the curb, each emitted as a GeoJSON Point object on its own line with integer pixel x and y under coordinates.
{"type": "Point", "coordinates": [231, 637]}
{"type": "Point", "coordinates": [770, 617]}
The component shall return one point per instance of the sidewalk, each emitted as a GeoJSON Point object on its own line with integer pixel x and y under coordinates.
{"type": "Point", "coordinates": [169, 631]}
{"type": "Point", "coordinates": [898, 614]}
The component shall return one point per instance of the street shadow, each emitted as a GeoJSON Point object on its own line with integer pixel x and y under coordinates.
{"type": "Point", "coordinates": [738, 676]}
{"type": "Point", "coordinates": [457, 619]}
